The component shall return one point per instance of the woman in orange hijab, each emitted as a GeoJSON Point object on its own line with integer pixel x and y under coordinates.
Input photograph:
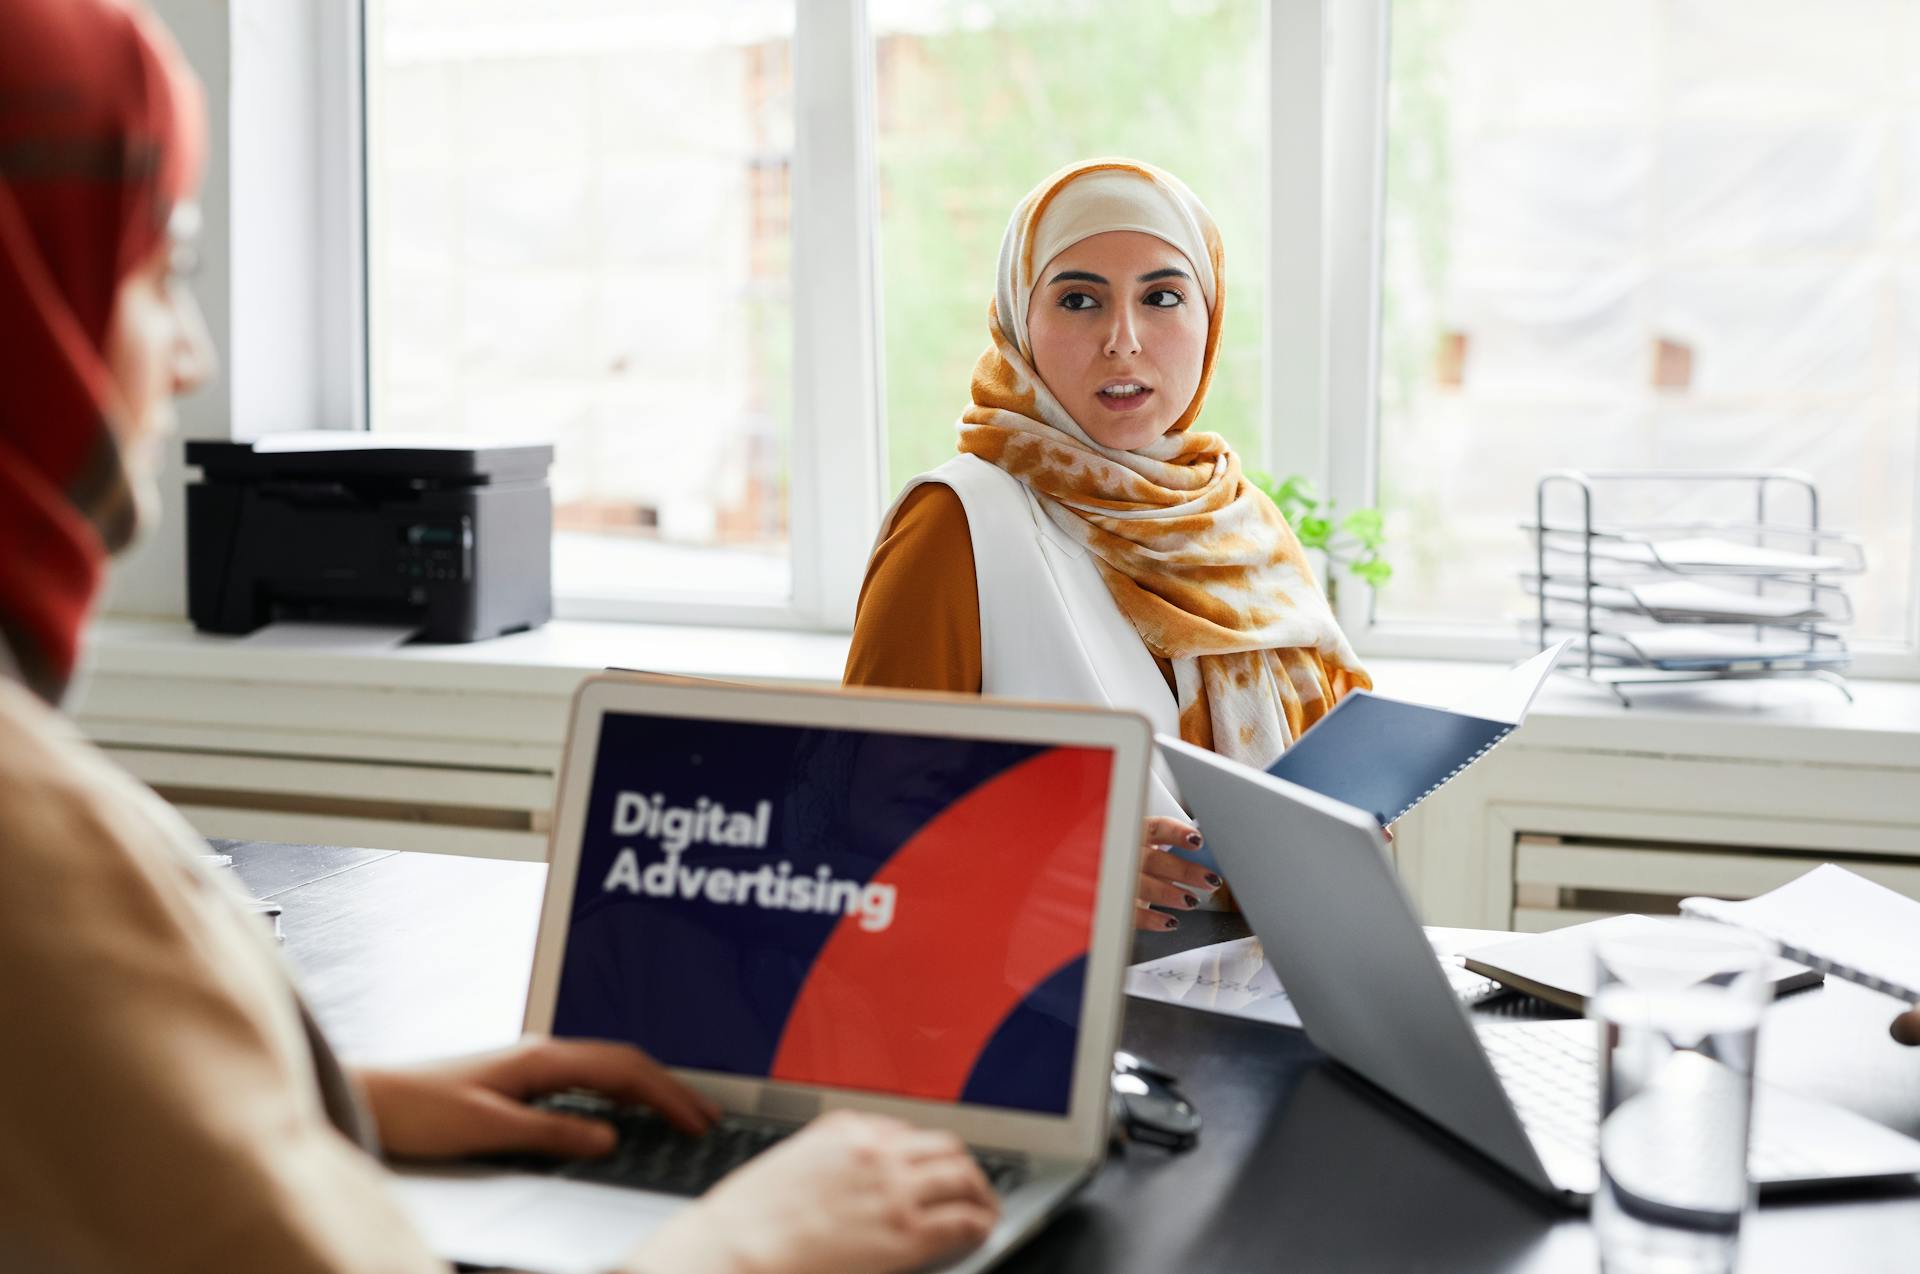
{"type": "Point", "coordinates": [1090, 543]}
{"type": "Point", "coordinates": [167, 1103]}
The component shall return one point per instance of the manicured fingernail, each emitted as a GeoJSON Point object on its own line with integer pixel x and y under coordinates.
{"type": "Point", "coordinates": [1170, 923]}
{"type": "Point", "coordinates": [1193, 839]}
{"type": "Point", "coordinates": [1191, 900]}
{"type": "Point", "coordinates": [1214, 880]}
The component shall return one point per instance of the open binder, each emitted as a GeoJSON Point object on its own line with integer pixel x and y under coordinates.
{"type": "Point", "coordinates": [1385, 756]}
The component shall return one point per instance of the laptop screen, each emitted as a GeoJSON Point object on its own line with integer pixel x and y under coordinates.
{"type": "Point", "coordinates": [891, 913]}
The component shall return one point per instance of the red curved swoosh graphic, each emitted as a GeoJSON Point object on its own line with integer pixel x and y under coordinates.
{"type": "Point", "coordinates": [993, 895]}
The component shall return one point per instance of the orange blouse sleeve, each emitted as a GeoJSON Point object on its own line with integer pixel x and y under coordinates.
{"type": "Point", "coordinates": [918, 622]}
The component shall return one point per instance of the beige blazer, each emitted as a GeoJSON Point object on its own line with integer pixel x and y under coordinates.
{"type": "Point", "coordinates": [165, 1101]}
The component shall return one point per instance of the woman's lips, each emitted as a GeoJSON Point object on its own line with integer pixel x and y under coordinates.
{"type": "Point", "coordinates": [1130, 402]}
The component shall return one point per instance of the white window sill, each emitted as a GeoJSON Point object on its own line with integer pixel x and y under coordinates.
{"type": "Point", "coordinates": [548, 660]}
{"type": "Point", "coordinates": [1790, 721]}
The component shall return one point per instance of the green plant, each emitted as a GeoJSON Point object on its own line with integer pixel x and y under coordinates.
{"type": "Point", "coordinates": [1353, 541]}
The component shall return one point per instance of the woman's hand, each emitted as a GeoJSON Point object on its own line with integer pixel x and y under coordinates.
{"type": "Point", "coordinates": [477, 1105]}
{"type": "Point", "coordinates": [1168, 880]}
{"type": "Point", "coordinates": [849, 1194]}
{"type": "Point", "coordinates": [1906, 1027]}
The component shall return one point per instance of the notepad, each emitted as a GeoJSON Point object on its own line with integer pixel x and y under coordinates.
{"type": "Point", "coordinates": [1835, 921]}
{"type": "Point", "coordinates": [1385, 756]}
{"type": "Point", "coordinates": [1558, 966]}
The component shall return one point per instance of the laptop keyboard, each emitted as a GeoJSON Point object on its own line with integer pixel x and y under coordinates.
{"type": "Point", "coordinates": [1553, 1078]}
{"type": "Point", "coordinates": [654, 1155]}
{"type": "Point", "coordinates": [1552, 1082]}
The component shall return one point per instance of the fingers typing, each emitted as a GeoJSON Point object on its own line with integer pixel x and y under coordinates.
{"type": "Point", "coordinates": [619, 1071]}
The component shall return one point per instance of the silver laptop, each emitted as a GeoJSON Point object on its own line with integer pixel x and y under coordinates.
{"type": "Point", "coordinates": [808, 901]}
{"type": "Point", "coordinates": [1317, 885]}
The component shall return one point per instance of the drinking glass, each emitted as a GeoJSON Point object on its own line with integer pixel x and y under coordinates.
{"type": "Point", "coordinates": [1679, 1007]}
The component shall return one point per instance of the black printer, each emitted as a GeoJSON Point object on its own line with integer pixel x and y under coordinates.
{"type": "Point", "coordinates": [388, 528]}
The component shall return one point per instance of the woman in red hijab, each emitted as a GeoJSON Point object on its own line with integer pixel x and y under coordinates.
{"type": "Point", "coordinates": [99, 144]}
{"type": "Point", "coordinates": [166, 1101]}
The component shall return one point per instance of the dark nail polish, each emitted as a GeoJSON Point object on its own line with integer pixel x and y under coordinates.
{"type": "Point", "coordinates": [1193, 839]}
{"type": "Point", "coordinates": [1191, 900]}
{"type": "Point", "coordinates": [1214, 880]}
{"type": "Point", "coordinates": [1171, 923]}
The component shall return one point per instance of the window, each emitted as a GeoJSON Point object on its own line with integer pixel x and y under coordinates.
{"type": "Point", "coordinates": [1668, 233]}
{"type": "Point", "coordinates": [578, 229]}
{"type": "Point", "coordinates": [588, 221]}
{"type": "Point", "coordinates": [736, 259]}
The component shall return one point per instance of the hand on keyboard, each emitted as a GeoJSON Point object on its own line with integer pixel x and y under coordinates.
{"type": "Point", "coordinates": [481, 1105]}
{"type": "Point", "coordinates": [852, 1193]}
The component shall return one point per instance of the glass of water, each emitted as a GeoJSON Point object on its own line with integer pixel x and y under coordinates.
{"type": "Point", "coordinates": [1679, 1006]}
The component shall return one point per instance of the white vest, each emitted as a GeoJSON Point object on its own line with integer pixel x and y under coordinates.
{"type": "Point", "coordinates": [1049, 629]}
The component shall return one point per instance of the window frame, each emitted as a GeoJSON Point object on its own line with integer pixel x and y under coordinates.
{"type": "Point", "coordinates": [1342, 147]}
{"type": "Point", "coordinates": [340, 51]}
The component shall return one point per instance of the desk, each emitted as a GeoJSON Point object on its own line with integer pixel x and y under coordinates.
{"type": "Point", "coordinates": [408, 956]}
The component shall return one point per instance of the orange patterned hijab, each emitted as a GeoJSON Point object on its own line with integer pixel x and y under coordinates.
{"type": "Point", "coordinates": [1197, 558]}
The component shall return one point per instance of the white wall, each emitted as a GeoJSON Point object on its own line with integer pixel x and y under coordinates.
{"type": "Point", "coordinates": [151, 580]}
{"type": "Point", "coordinates": [273, 249]}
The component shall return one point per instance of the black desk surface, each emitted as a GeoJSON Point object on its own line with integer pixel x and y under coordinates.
{"type": "Point", "coordinates": [412, 956]}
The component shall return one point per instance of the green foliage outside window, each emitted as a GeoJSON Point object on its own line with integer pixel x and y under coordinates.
{"type": "Point", "coordinates": [977, 107]}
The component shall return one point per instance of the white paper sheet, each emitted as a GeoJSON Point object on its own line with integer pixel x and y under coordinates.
{"type": "Point", "coordinates": [333, 638]}
{"type": "Point", "coordinates": [1509, 697]}
{"type": "Point", "coordinates": [1234, 978]}
{"type": "Point", "coordinates": [1700, 643]}
{"type": "Point", "coordinates": [1705, 553]}
{"type": "Point", "coordinates": [1686, 599]}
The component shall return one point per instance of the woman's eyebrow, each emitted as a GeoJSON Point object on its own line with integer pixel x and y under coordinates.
{"type": "Point", "coordinates": [1076, 276]}
{"type": "Point", "coordinates": [1169, 273]}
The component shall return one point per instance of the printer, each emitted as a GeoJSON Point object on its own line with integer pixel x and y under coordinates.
{"type": "Point", "coordinates": [442, 534]}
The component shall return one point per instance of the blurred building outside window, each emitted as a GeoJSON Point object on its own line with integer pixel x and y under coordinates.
{"type": "Point", "coordinates": [578, 231]}
{"type": "Point", "coordinates": [1645, 234]}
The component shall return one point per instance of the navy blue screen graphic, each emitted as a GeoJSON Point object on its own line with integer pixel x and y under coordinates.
{"type": "Point", "coordinates": [891, 913]}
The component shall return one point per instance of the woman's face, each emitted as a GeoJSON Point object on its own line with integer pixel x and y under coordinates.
{"type": "Point", "coordinates": [157, 349]}
{"type": "Point", "coordinates": [1119, 333]}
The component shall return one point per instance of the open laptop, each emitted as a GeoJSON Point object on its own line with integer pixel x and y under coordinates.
{"type": "Point", "coordinates": [1317, 885]}
{"type": "Point", "coordinates": [802, 901]}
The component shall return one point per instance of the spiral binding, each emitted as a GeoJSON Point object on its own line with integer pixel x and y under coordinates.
{"type": "Point", "coordinates": [1847, 973]}
{"type": "Point", "coordinates": [1819, 963]}
{"type": "Point", "coordinates": [1459, 769]}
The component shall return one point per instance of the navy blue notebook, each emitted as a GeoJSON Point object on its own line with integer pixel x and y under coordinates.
{"type": "Point", "coordinates": [1385, 756]}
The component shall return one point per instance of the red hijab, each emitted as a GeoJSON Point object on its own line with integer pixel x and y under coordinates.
{"type": "Point", "coordinates": [101, 128]}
